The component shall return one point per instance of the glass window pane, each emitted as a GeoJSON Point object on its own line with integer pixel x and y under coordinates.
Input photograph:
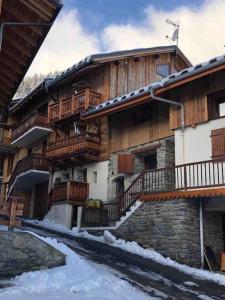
{"type": "Point", "coordinates": [163, 70]}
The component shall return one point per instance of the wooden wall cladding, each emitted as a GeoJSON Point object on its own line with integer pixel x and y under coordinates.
{"type": "Point", "coordinates": [194, 96]}
{"type": "Point", "coordinates": [125, 132]}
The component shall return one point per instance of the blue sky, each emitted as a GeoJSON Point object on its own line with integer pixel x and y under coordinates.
{"type": "Point", "coordinates": [84, 27]}
{"type": "Point", "coordinates": [95, 14]}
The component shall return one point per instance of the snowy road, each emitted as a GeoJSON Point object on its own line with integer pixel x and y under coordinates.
{"type": "Point", "coordinates": [154, 279]}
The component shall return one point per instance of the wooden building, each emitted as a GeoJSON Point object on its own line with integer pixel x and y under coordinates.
{"type": "Point", "coordinates": [24, 26]}
{"type": "Point", "coordinates": [57, 145]}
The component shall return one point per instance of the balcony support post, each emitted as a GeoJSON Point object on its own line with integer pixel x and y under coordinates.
{"type": "Point", "coordinates": [68, 190]}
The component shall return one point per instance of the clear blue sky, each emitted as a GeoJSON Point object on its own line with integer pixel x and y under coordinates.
{"type": "Point", "coordinates": [94, 14]}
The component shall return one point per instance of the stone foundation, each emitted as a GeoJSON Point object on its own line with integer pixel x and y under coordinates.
{"type": "Point", "coordinates": [172, 229]}
{"type": "Point", "coordinates": [23, 252]}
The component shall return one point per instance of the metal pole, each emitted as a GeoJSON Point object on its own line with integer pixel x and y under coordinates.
{"type": "Point", "coordinates": [201, 233]}
{"type": "Point", "coordinates": [4, 24]}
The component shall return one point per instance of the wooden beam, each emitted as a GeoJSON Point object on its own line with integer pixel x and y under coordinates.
{"type": "Point", "coordinates": [211, 192]}
{"type": "Point", "coordinates": [12, 54]}
{"type": "Point", "coordinates": [12, 68]}
{"type": "Point", "coordinates": [18, 46]}
{"type": "Point", "coordinates": [18, 15]}
{"type": "Point", "coordinates": [0, 6]}
{"type": "Point", "coordinates": [35, 8]}
{"type": "Point", "coordinates": [23, 34]}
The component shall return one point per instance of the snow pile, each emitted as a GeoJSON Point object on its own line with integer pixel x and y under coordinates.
{"type": "Point", "coordinates": [3, 228]}
{"type": "Point", "coordinates": [134, 248]}
{"type": "Point", "coordinates": [78, 279]}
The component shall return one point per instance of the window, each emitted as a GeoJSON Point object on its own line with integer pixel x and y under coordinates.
{"type": "Point", "coordinates": [95, 177]}
{"type": "Point", "coordinates": [216, 105]}
{"type": "Point", "coordinates": [163, 70]}
{"type": "Point", "coordinates": [150, 161]}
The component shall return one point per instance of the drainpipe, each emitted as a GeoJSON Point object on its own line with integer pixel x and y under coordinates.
{"type": "Point", "coordinates": [181, 115]}
{"type": "Point", "coordinates": [201, 233]}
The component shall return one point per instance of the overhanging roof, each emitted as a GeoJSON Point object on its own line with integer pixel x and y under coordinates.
{"type": "Point", "coordinates": [21, 43]}
{"type": "Point", "coordinates": [142, 95]}
{"type": "Point", "coordinates": [94, 61]}
{"type": "Point", "coordinates": [100, 58]}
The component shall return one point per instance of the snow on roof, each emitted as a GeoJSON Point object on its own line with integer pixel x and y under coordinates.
{"type": "Point", "coordinates": [213, 62]}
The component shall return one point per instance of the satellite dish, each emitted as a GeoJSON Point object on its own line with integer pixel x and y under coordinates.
{"type": "Point", "coordinates": [175, 34]}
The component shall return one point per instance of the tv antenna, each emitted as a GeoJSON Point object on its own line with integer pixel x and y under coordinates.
{"type": "Point", "coordinates": [175, 35]}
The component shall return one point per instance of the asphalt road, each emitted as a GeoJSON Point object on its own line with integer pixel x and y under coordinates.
{"type": "Point", "coordinates": [153, 278]}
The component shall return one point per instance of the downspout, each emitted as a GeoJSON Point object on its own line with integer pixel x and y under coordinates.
{"type": "Point", "coordinates": [181, 114]}
{"type": "Point", "coordinates": [201, 233]}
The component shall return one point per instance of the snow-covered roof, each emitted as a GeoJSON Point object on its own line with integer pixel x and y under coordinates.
{"type": "Point", "coordinates": [188, 72]}
{"type": "Point", "coordinates": [101, 57]}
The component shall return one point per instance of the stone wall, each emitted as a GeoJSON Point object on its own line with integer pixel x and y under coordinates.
{"type": "Point", "coordinates": [169, 227]}
{"type": "Point", "coordinates": [22, 252]}
{"type": "Point", "coordinates": [165, 158]}
{"type": "Point", "coordinates": [172, 228]}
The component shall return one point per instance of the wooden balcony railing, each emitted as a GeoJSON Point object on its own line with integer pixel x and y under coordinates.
{"type": "Point", "coordinates": [72, 105]}
{"type": "Point", "coordinates": [37, 119]}
{"type": "Point", "coordinates": [74, 191]}
{"type": "Point", "coordinates": [188, 177]}
{"type": "Point", "coordinates": [74, 144]}
{"type": "Point", "coordinates": [34, 162]}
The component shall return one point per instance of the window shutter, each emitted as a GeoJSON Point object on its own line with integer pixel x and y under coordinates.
{"type": "Point", "coordinates": [125, 163]}
{"type": "Point", "coordinates": [218, 143]}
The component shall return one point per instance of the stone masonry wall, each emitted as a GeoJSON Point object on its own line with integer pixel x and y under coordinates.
{"type": "Point", "coordinates": [172, 229]}
{"type": "Point", "coordinates": [22, 252]}
{"type": "Point", "coordinates": [169, 227]}
{"type": "Point", "coordinates": [165, 158]}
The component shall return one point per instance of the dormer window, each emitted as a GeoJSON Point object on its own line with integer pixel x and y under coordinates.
{"type": "Point", "coordinates": [163, 70]}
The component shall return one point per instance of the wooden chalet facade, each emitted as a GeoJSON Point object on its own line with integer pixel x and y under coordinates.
{"type": "Point", "coordinates": [24, 26]}
{"type": "Point", "coordinates": [62, 155]}
{"type": "Point", "coordinates": [110, 128]}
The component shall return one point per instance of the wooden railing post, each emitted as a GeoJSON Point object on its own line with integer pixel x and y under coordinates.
{"type": "Point", "coordinates": [185, 177]}
{"type": "Point", "coordinates": [87, 99]}
{"type": "Point", "coordinates": [68, 190]}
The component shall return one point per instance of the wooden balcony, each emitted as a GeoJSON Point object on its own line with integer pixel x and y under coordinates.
{"type": "Point", "coordinates": [198, 179]}
{"type": "Point", "coordinates": [31, 129]}
{"type": "Point", "coordinates": [74, 191]}
{"type": "Point", "coordinates": [72, 105]}
{"type": "Point", "coordinates": [28, 172]}
{"type": "Point", "coordinates": [5, 140]}
{"type": "Point", "coordinates": [85, 144]}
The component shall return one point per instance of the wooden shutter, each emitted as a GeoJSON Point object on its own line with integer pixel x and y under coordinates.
{"type": "Point", "coordinates": [218, 143]}
{"type": "Point", "coordinates": [125, 163]}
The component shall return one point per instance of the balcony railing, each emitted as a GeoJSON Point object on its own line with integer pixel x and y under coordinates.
{"type": "Point", "coordinates": [84, 142]}
{"type": "Point", "coordinates": [73, 104]}
{"type": "Point", "coordinates": [34, 162]}
{"type": "Point", "coordinates": [74, 191]}
{"type": "Point", "coordinates": [37, 119]}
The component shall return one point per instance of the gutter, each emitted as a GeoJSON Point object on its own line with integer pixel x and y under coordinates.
{"type": "Point", "coordinates": [178, 104]}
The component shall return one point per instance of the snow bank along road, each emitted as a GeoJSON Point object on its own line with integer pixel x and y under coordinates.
{"type": "Point", "coordinates": [154, 279]}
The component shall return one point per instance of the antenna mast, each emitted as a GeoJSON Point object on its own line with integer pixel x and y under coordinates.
{"type": "Point", "coordinates": [175, 36]}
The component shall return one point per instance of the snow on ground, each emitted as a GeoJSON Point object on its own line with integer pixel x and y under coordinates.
{"type": "Point", "coordinates": [134, 248]}
{"type": "Point", "coordinates": [79, 279]}
{"type": "Point", "coordinates": [3, 228]}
